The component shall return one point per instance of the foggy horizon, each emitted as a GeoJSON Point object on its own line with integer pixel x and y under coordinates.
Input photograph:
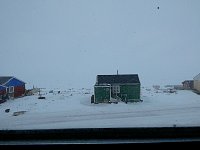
{"type": "Point", "coordinates": [66, 43]}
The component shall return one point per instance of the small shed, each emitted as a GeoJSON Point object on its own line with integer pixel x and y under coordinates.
{"type": "Point", "coordinates": [14, 87]}
{"type": "Point", "coordinates": [120, 87]}
{"type": "Point", "coordinates": [188, 84]}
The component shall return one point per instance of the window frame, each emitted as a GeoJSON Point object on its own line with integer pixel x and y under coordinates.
{"type": "Point", "coordinates": [11, 89]}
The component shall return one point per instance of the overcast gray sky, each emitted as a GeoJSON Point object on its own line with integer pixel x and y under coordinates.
{"type": "Point", "coordinates": [66, 43]}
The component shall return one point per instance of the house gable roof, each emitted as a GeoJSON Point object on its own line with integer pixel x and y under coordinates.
{"type": "Point", "coordinates": [197, 77]}
{"type": "Point", "coordinates": [3, 80]}
{"type": "Point", "coordinates": [6, 79]}
{"type": "Point", "coordinates": [188, 81]}
{"type": "Point", "coordinates": [118, 79]}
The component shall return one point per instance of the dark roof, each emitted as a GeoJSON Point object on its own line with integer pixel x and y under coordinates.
{"type": "Point", "coordinates": [112, 79]}
{"type": "Point", "coordinates": [186, 81]}
{"type": "Point", "coordinates": [4, 79]}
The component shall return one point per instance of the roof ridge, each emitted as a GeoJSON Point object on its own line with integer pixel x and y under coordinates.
{"type": "Point", "coordinates": [117, 78]}
{"type": "Point", "coordinates": [196, 76]}
{"type": "Point", "coordinates": [4, 79]}
{"type": "Point", "coordinates": [9, 78]}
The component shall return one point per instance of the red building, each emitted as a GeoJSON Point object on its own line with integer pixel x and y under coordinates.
{"type": "Point", "coordinates": [13, 86]}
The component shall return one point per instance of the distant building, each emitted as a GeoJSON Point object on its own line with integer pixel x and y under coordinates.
{"type": "Point", "coordinates": [2, 93]}
{"type": "Point", "coordinates": [32, 91]}
{"type": "Point", "coordinates": [2, 90]}
{"type": "Point", "coordinates": [188, 84]}
{"type": "Point", "coordinates": [110, 88]}
{"type": "Point", "coordinates": [156, 87]}
{"type": "Point", "coordinates": [197, 82]}
{"type": "Point", "coordinates": [12, 86]}
{"type": "Point", "coordinates": [178, 87]}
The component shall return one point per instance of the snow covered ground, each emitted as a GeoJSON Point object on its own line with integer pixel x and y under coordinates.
{"type": "Point", "coordinates": [71, 108]}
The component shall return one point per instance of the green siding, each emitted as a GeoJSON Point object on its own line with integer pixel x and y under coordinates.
{"type": "Point", "coordinates": [101, 94]}
{"type": "Point", "coordinates": [130, 92]}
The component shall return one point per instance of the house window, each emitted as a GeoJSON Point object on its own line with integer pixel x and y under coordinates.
{"type": "Point", "coordinates": [11, 89]}
{"type": "Point", "coordinates": [116, 89]}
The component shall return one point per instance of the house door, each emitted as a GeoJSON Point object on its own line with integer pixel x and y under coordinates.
{"type": "Point", "coordinates": [11, 91]}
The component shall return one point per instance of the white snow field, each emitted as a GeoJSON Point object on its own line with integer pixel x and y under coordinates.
{"type": "Point", "coordinates": [71, 108]}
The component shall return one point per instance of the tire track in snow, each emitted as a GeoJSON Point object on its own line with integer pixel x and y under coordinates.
{"type": "Point", "coordinates": [98, 116]}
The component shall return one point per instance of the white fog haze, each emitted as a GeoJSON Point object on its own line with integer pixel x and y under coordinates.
{"type": "Point", "coordinates": [66, 43]}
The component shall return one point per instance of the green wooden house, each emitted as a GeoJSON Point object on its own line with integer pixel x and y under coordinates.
{"type": "Point", "coordinates": [115, 88]}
